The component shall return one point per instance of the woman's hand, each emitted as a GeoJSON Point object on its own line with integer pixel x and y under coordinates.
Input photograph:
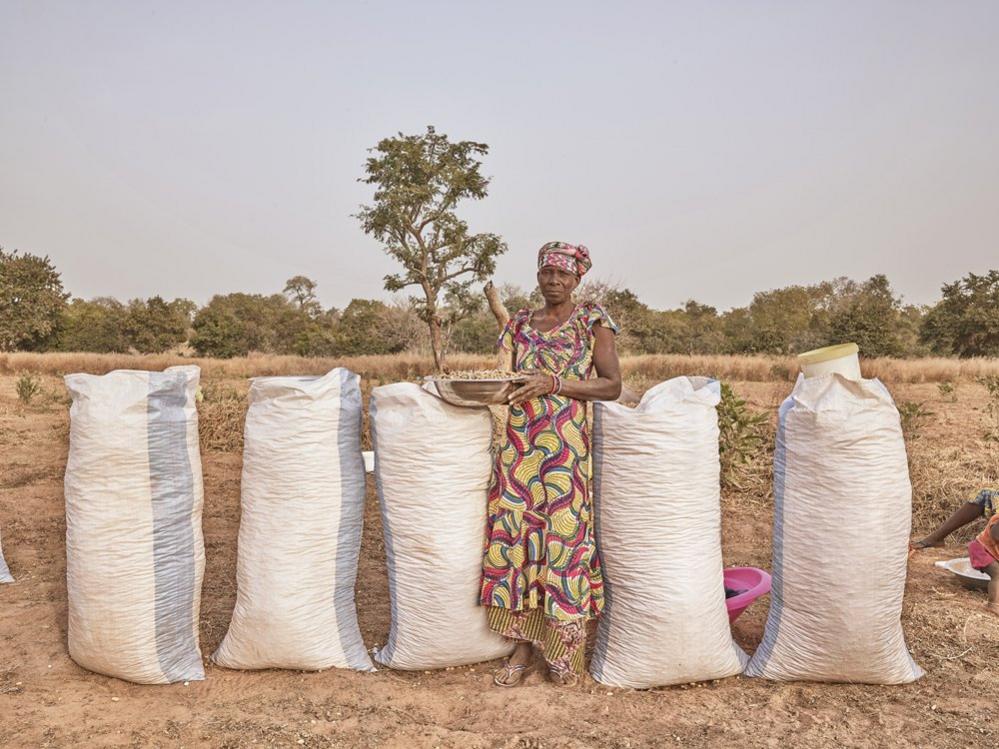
{"type": "Point", "coordinates": [531, 386]}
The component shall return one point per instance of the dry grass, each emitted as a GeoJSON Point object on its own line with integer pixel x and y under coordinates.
{"type": "Point", "coordinates": [221, 415]}
{"type": "Point", "coordinates": [411, 366]}
{"type": "Point", "coordinates": [385, 368]}
{"type": "Point", "coordinates": [785, 368]}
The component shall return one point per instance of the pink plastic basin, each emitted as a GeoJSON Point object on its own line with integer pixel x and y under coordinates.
{"type": "Point", "coordinates": [751, 584]}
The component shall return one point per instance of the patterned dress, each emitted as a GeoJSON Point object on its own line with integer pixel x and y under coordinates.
{"type": "Point", "coordinates": [541, 572]}
{"type": "Point", "coordinates": [987, 500]}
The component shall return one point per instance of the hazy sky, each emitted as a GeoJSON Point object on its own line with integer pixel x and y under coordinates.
{"type": "Point", "coordinates": [700, 149]}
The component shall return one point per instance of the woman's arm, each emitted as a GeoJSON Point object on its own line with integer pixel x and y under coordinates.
{"type": "Point", "coordinates": [606, 386]}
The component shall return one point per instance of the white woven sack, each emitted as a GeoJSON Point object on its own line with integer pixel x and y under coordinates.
{"type": "Point", "coordinates": [659, 534]}
{"type": "Point", "coordinates": [134, 549]}
{"type": "Point", "coordinates": [5, 576]}
{"type": "Point", "coordinates": [300, 528]}
{"type": "Point", "coordinates": [432, 466]}
{"type": "Point", "coordinates": [842, 511]}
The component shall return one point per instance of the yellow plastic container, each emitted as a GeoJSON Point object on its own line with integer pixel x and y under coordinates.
{"type": "Point", "coordinates": [841, 359]}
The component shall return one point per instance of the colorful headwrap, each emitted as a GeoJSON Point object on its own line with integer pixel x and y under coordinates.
{"type": "Point", "coordinates": [568, 257]}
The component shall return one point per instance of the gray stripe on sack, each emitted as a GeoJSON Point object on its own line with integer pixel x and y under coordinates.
{"type": "Point", "coordinates": [771, 632]}
{"type": "Point", "coordinates": [598, 661]}
{"type": "Point", "coordinates": [351, 516]}
{"type": "Point", "coordinates": [172, 488]}
{"type": "Point", "coordinates": [385, 654]}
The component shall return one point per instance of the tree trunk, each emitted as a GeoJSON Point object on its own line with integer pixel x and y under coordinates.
{"type": "Point", "coordinates": [496, 305]}
{"type": "Point", "coordinates": [436, 342]}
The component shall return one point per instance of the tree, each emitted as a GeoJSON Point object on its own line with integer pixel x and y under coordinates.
{"type": "Point", "coordinates": [301, 291]}
{"type": "Point", "coordinates": [737, 325]}
{"type": "Point", "coordinates": [305, 325]}
{"type": "Point", "coordinates": [236, 324]}
{"type": "Point", "coordinates": [870, 316]}
{"type": "Point", "coordinates": [420, 179]}
{"type": "Point", "coordinates": [635, 319]}
{"type": "Point", "coordinates": [97, 325]}
{"type": "Point", "coordinates": [965, 322]}
{"type": "Point", "coordinates": [704, 329]}
{"type": "Point", "coordinates": [365, 328]}
{"type": "Point", "coordinates": [32, 301]}
{"type": "Point", "coordinates": [154, 325]}
{"type": "Point", "coordinates": [786, 321]}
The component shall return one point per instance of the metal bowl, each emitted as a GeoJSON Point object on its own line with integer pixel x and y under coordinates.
{"type": "Point", "coordinates": [965, 573]}
{"type": "Point", "coordinates": [475, 392]}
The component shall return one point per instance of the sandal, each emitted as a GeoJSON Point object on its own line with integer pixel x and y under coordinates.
{"type": "Point", "coordinates": [564, 678]}
{"type": "Point", "coordinates": [510, 675]}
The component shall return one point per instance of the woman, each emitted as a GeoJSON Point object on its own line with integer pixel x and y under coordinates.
{"type": "Point", "coordinates": [541, 573]}
{"type": "Point", "coordinates": [982, 506]}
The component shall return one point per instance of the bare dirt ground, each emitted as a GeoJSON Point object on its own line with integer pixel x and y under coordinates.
{"type": "Point", "coordinates": [47, 700]}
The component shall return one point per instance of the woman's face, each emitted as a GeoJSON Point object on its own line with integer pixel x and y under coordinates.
{"type": "Point", "coordinates": [556, 284]}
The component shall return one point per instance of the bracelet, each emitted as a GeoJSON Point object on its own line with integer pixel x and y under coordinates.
{"type": "Point", "coordinates": [556, 385]}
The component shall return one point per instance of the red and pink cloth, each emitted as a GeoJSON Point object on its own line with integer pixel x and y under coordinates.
{"type": "Point", "coordinates": [571, 258]}
{"type": "Point", "coordinates": [983, 551]}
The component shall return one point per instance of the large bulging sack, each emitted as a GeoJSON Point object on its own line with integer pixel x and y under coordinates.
{"type": "Point", "coordinates": [5, 576]}
{"type": "Point", "coordinates": [134, 550]}
{"type": "Point", "coordinates": [432, 465]}
{"type": "Point", "coordinates": [300, 528]}
{"type": "Point", "coordinates": [658, 523]}
{"type": "Point", "coordinates": [842, 511]}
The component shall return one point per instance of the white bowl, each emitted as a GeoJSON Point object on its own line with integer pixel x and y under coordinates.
{"type": "Point", "coordinates": [968, 575]}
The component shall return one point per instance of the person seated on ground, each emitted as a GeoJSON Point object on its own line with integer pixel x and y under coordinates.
{"type": "Point", "coordinates": [982, 506]}
{"type": "Point", "coordinates": [983, 553]}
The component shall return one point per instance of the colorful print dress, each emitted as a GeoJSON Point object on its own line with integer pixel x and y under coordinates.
{"type": "Point", "coordinates": [541, 571]}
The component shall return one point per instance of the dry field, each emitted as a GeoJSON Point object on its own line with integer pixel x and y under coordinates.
{"type": "Point", "coordinates": [46, 700]}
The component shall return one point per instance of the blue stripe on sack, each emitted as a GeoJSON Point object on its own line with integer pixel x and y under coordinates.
{"type": "Point", "coordinates": [598, 662]}
{"type": "Point", "coordinates": [171, 482]}
{"type": "Point", "coordinates": [772, 630]}
{"type": "Point", "coordinates": [347, 543]}
{"type": "Point", "coordinates": [385, 654]}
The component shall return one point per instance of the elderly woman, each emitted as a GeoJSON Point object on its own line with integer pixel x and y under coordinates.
{"type": "Point", "coordinates": [541, 576]}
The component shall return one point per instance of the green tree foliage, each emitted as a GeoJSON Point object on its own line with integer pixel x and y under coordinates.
{"type": "Point", "coordinates": [236, 324]}
{"type": "Point", "coordinates": [703, 330]}
{"type": "Point", "coordinates": [154, 325]}
{"type": "Point", "coordinates": [787, 320]}
{"type": "Point", "coordinates": [419, 181]}
{"type": "Point", "coordinates": [966, 321]}
{"type": "Point", "coordinates": [34, 314]}
{"type": "Point", "coordinates": [105, 325]}
{"type": "Point", "coordinates": [306, 328]}
{"type": "Point", "coordinates": [292, 322]}
{"type": "Point", "coordinates": [32, 301]}
{"type": "Point", "coordinates": [793, 319]}
{"type": "Point", "coordinates": [870, 315]}
{"type": "Point", "coordinates": [301, 291]}
{"type": "Point", "coordinates": [96, 325]}
{"type": "Point", "coordinates": [477, 333]}
{"type": "Point", "coordinates": [367, 326]}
